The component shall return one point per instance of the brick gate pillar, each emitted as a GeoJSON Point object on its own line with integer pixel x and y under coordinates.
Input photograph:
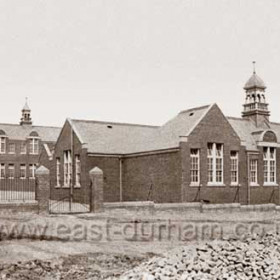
{"type": "Point", "coordinates": [43, 188]}
{"type": "Point", "coordinates": [96, 177]}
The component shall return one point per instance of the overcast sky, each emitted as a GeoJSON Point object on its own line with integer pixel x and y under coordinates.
{"type": "Point", "coordinates": [138, 61]}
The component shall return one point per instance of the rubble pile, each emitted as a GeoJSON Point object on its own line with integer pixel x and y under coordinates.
{"type": "Point", "coordinates": [250, 258]}
{"type": "Point", "coordinates": [90, 266]}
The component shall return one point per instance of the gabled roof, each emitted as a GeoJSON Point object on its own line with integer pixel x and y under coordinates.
{"type": "Point", "coordinates": [21, 132]}
{"type": "Point", "coordinates": [244, 129]}
{"type": "Point", "coordinates": [249, 133]}
{"type": "Point", "coordinates": [121, 138]}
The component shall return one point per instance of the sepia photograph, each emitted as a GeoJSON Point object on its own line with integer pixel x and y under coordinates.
{"type": "Point", "coordinates": [140, 139]}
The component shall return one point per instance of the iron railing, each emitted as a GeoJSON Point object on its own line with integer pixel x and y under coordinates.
{"type": "Point", "coordinates": [17, 189]}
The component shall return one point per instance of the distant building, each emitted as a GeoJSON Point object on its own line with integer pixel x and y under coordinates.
{"type": "Point", "coordinates": [21, 146]}
{"type": "Point", "coordinates": [200, 154]}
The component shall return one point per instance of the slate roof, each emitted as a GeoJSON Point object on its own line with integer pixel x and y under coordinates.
{"type": "Point", "coordinates": [244, 129]}
{"type": "Point", "coordinates": [249, 133]}
{"type": "Point", "coordinates": [21, 132]}
{"type": "Point", "coordinates": [255, 82]}
{"type": "Point", "coordinates": [120, 138]}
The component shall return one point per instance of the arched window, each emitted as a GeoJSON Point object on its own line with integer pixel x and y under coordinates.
{"type": "Point", "coordinates": [269, 136]}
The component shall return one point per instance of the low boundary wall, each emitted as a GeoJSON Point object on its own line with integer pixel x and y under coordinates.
{"type": "Point", "coordinates": [19, 207]}
{"type": "Point", "coordinates": [195, 207]}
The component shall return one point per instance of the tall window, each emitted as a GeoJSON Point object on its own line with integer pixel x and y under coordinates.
{"type": "Point", "coordinates": [77, 171]}
{"type": "Point", "coordinates": [32, 169]}
{"type": "Point", "coordinates": [12, 148]}
{"type": "Point", "coordinates": [34, 146]}
{"type": "Point", "coordinates": [67, 168]}
{"type": "Point", "coordinates": [11, 171]}
{"type": "Point", "coordinates": [253, 171]}
{"type": "Point", "coordinates": [269, 164]}
{"type": "Point", "coordinates": [195, 166]}
{"type": "Point", "coordinates": [234, 167]}
{"type": "Point", "coordinates": [2, 171]}
{"type": "Point", "coordinates": [22, 171]}
{"type": "Point", "coordinates": [215, 163]}
{"type": "Point", "coordinates": [3, 145]}
{"type": "Point", "coordinates": [58, 172]}
{"type": "Point", "coordinates": [23, 148]}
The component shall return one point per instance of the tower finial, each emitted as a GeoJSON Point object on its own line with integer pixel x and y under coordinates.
{"type": "Point", "coordinates": [254, 67]}
{"type": "Point", "coordinates": [26, 114]}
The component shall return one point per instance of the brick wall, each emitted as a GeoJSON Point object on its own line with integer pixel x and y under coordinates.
{"type": "Point", "coordinates": [17, 158]}
{"type": "Point", "coordinates": [111, 172]}
{"type": "Point", "coordinates": [165, 177]}
{"type": "Point", "coordinates": [65, 143]}
{"type": "Point", "coordinates": [157, 174]}
{"type": "Point", "coordinates": [265, 194]}
{"type": "Point", "coordinates": [213, 128]}
{"type": "Point", "coordinates": [109, 166]}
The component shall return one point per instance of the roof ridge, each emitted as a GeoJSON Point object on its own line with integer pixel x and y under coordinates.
{"type": "Point", "coordinates": [115, 123]}
{"type": "Point", "coordinates": [45, 126]}
{"type": "Point", "coordinates": [277, 123]}
{"type": "Point", "coordinates": [236, 118]}
{"type": "Point", "coordinates": [32, 126]}
{"type": "Point", "coordinates": [195, 108]}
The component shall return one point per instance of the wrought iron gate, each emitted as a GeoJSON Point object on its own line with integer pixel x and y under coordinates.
{"type": "Point", "coordinates": [66, 200]}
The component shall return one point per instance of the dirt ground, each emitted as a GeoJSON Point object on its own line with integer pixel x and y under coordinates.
{"type": "Point", "coordinates": [103, 246]}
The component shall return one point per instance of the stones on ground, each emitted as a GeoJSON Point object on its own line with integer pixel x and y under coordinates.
{"type": "Point", "coordinates": [250, 258]}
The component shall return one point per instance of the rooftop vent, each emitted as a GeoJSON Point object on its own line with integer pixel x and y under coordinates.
{"type": "Point", "coordinates": [109, 126]}
{"type": "Point", "coordinates": [191, 114]}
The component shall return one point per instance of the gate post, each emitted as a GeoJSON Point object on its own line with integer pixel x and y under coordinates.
{"type": "Point", "coordinates": [96, 178]}
{"type": "Point", "coordinates": [43, 188]}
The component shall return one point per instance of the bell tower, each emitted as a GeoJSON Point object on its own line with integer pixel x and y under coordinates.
{"type": "Point", "coordinates": [25, 115]}
{"type": "Point", "coordinates": [255, 107]}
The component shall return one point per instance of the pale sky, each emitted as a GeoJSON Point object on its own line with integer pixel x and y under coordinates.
{"type": "Point", "coordinates": [137, 61]}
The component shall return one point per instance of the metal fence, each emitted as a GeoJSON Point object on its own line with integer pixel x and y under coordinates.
{"type": "Point", "coordinates": [69, 200]}
{"type": "Point", "coordinates": [17, 189]}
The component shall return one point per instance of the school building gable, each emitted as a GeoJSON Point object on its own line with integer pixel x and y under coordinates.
{"type": "Point", "coordinates": [199, 155]}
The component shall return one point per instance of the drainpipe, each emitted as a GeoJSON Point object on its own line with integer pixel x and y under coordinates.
{"type": "Point", "coordinates": [121, 179]}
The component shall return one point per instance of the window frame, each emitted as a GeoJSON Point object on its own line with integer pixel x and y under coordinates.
{"type": "Point", "coordinates": [268, 162]}
{"type": "Point", "coordinates": [58, 177]}
{"type": "Point", "coordinates": [3, 144]}
{"type": "Point", "coordinates": [22, 167]}
{"type": "Point", "coordinates": [34, 146]}
{"type": "Point", "coordinates": [12, 151]}
{"type": "Point", "coordinates": [11, 167]}
{"type": "Point", "coordinates": [255, 170]}
{"type": "Point", "coordinates": [23, 148]}
{"type": "Point", "coordinates": [32, 169]}
{"type": "Point", "coordinates": [215, 158]}
{"type": "Point", "coordinates": [2, 170]}
{"type": "Point", "coordinates": [194, 167]}
{"type": "Point", "coordinates": [67, 166]}
{"type": "Point", "coordinates": [77, 171]}
{"type": "Point", "coordinates": [234, 168]}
